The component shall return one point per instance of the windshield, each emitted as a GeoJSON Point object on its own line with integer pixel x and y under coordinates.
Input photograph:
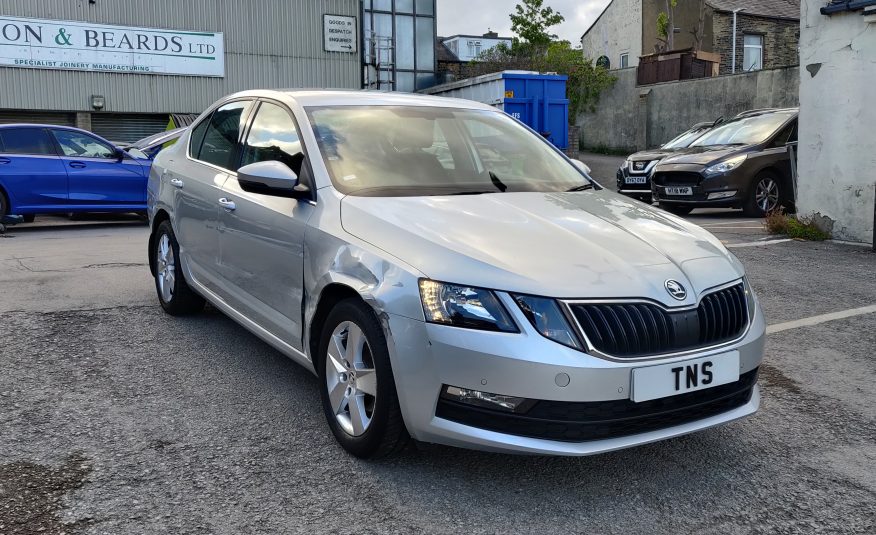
{"type": "Point", "coordinates": [412, 151]}
{"type": "Point", "coordinates": [684, 140]}
{"type": "Point", "coordinates": [745, 131]}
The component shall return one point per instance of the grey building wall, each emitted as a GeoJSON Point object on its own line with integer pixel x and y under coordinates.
{"type": "Point", "coordinates": [268, 44]}
{"type": "Point", "coordinates": [631, 118]}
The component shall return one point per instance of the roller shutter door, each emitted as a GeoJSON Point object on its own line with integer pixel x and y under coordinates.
{"type": "Point", "coordinates": [127, 127]}
{"type": "Point", "coordinates": [39, 117]}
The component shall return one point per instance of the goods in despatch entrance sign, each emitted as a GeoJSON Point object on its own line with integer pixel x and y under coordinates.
{"type": "Point", "coordinates": [85, 46]}
{"type": "Point", "coordinates": [340, 33]}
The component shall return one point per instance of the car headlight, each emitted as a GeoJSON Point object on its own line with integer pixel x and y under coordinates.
{"type": "Point", "coordinates": [726, 165]}
{"type": "Point", "coordinates": [547, 318]}
{"type": "Point", "coordinates": [750, 299]}
{"type": "Point", "coordinates": [464, 306]}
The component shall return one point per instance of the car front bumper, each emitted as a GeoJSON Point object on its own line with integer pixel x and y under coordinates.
{"type": "Point", "coordinates": [641, 191]}
{"type": "Point", "coordinates": [428, 357]}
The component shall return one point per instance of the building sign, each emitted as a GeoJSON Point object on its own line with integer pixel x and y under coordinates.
{"type": "Point", "coordinates": [83, 46]}
{"type": "Point", "coordinates": [340, 34]}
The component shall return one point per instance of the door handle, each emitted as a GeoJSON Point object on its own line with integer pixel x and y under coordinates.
{"type": "Point", "coordinates": [177, 183]}
{"type": "Point", "coordinates": [77, 165]}
{"type": "Point", "coordinates": [228, 205]}
{"type": "Point", "coordinates": [5, 160]}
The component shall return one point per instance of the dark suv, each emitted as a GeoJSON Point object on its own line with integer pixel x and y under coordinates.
{"type": "Point", "coordinates": [633, 177]}
{"type": "Point", "coordinates": [743, 163]}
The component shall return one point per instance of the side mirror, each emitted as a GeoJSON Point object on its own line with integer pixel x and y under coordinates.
{"type": "Point", "coordinates": [270, 178]}
{"type": "Point", "coordinates": [120, 154]}
{"type": "Point", "coordinates": [582, 166]}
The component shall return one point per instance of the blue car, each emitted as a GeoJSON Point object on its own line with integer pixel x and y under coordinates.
{"type": "Point", "coordinates": [59, 169]}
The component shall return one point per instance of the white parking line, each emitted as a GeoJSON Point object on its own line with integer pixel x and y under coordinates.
{"type": "Point", "coordinates": [756, 243]}
{"type": "Point", "coordinates": [737, 222]}
{"type": "Point", "coordinates": [815, 320]}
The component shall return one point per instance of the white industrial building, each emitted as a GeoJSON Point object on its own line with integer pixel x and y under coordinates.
{"type": "Point", "coordinates": [121, 67]}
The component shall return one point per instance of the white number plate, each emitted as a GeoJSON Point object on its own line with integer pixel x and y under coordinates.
{"type": "Point", "coordinates": [667, 380]}
{"type": "Point", "coordinates": [675, 190]}
{"type": "Point", "coordinates": [637, 179]}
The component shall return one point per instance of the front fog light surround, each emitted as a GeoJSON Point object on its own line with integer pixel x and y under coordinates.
{"type": "Point", "coordinates": [714, 196]}
{"type": "Point", "coordinates": [726, 165]}
{"type": "Point", "coordinates": [464, 306]}
{"type": "Point", "coordinates": [545, 315]}
{"type": "Point", "coordinates": [486, 399]}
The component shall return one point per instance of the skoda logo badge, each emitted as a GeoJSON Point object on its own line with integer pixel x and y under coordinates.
{"type": "Point", "coordinates": [675, 289]}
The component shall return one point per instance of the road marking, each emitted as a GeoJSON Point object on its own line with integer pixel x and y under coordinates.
{"type": "Point", "coordinates": [732, 228]}
{"type": "Point", "coordinates": [756, 243]}
{"type": "Point", "coordinates": [815, 320]}
{"type": "Point", "coordinates": [733, 223]}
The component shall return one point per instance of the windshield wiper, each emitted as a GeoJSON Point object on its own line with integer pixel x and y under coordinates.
{"type": "Point", "coordinates": [498, 183]}
{"type": "Point", "coordinates": [582, 187]}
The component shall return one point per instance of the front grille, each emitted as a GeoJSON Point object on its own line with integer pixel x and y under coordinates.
{"type": "Point", "coordinates": [631, 330]}
{"type": "Point", "coordinates": [677, 179]}
{"type": "Point", "coordinates": [583, 421]}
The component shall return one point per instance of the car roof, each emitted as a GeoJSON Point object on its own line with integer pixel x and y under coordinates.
{"type": "Point", "coordinates": [345, 97]}
{"type": "Point", "coordinates": [38, 125]}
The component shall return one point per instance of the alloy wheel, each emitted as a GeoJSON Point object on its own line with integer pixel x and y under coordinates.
{"type": "Point", "coordinates": [166, 268]}
{"type": "Point", "coordinates": [351, 379]}
{"type": "Point", "coordinates": [767, 194]}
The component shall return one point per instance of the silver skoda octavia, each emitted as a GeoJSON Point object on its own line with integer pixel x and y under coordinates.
{"type": "Point", "coordinates": [450, 276]}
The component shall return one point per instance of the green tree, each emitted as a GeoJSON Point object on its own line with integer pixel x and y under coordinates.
{"type": "Point", "coordinates": [535, 49]}
{"type": "Point", "coordinates": [532, 20]}
{"type": "Point", "coordinates": [666, 25]}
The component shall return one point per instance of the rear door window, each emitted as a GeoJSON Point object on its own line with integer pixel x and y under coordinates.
{"type": "Point", "coordinates": [35, 141]}
{"type": "Point", "coordinates": [197, 137]}
{"type": "Point", "coordinates": [220, 145]}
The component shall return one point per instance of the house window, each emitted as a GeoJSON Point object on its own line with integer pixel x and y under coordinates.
{"type": "Point", "coordinates": [624, 61]}
{"type": "Point", "coordinates": [752, 59]}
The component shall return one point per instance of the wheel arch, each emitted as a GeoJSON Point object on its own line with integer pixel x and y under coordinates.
{"type": "Point", "coordinates": [329, 297]}
{"type": "Point", "coordinates": [160, 217]}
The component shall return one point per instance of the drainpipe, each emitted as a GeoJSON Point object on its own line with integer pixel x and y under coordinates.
{"type": "Point", "coordinates": [735, 11]}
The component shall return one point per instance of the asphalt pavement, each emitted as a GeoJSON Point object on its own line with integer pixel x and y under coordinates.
{"type": "Point", "coordinates": [116, 418]}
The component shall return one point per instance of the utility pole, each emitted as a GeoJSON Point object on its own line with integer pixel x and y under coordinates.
{"type": "Point", "coordinates": [735, 11]}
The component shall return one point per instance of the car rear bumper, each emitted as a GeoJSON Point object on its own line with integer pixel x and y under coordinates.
{"type": "Point", "coordinates": [592, 414]}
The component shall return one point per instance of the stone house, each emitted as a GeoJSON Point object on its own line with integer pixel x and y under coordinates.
{"type": "Point", "coordinates": [767, 32]}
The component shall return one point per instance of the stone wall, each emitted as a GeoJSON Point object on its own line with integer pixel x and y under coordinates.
{"type": "Point", "coordinates": [780, 38]}
{"type": "Point", "coordinates": [630, 118]}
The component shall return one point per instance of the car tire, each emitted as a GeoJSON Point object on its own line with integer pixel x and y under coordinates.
{"type": "Point", "coordinates": [174, 294]}
{"type": "Point", "coordinates": [357, 385]}
{"type": "Point", "coordinates": [4, 204]}
{"type": "Point", "coordinates": [677, 209]}
{"type": "Point", "coordinates": [29, 218]}
{"type": "Point", "coordinates": [764, 196]}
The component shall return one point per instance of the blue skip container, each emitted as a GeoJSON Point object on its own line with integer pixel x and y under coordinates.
{"type": "Point", "coordinates": [538, 100]}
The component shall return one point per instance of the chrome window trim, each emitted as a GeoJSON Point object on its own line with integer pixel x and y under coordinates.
{"type": "Point", "coordinates": [591, 349]}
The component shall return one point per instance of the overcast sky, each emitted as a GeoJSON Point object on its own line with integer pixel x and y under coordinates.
{"type": "Point", "coordinates": [475, 17]}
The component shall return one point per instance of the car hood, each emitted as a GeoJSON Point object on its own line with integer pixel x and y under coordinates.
{"type": "Point", "coordinates": [592, 244]}
{"type": "Point", "coordinates": [704, 155]}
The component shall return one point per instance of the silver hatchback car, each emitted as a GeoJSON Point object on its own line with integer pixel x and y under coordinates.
{"type": "Point", "coordinates": [450, 276]}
